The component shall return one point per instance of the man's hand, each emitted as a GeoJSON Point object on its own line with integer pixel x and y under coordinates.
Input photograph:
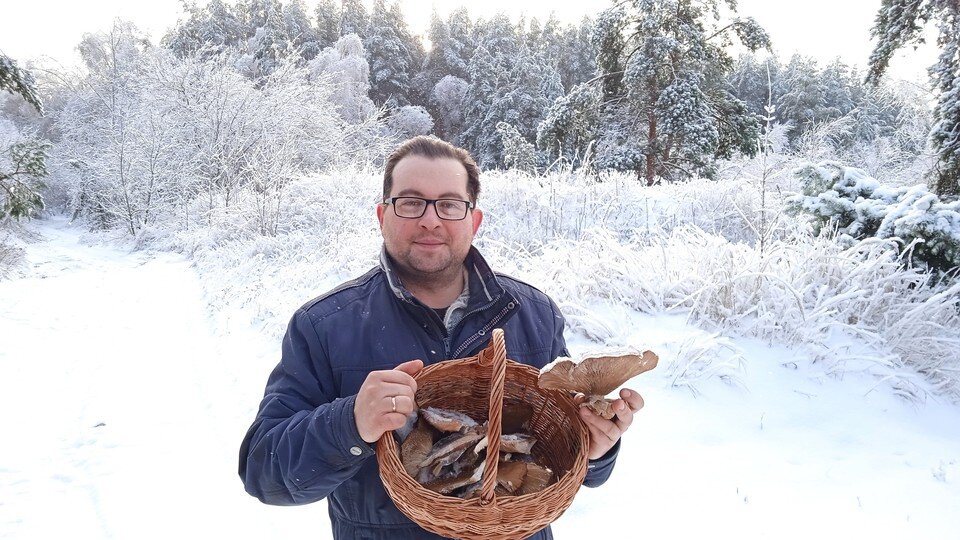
{"type": "Point", "coordinates": [605, 433]}
{"type": "Point", "coordinates": [385, 399]}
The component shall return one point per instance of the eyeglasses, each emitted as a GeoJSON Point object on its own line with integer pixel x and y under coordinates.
{"type": "Point", "coordinates": [415, 207]}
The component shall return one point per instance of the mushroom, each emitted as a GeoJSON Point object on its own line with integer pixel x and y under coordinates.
{"type": "Point", "coordinates": [446, 420]}
{"type": "Point", "coordinates": [537, 478]}
{"type": "Point", "coordinates": [510, 475]}
{"type": "Point", "coordinates": [446, 485]}
{"type": "Point", "coordinates": [416, 447]}
{"type": "Point", "coordinates": [451, 447]}
{"type": "Point", "coordinates": [517, 442]}
{"type": "Point", "coordinates": [595, 377]}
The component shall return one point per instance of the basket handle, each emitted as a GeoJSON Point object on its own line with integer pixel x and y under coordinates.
{"type": "Point", "coordinates": [494, 355]}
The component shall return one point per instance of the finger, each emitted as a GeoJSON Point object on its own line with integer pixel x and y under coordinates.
{"type": "Point", "coordinates": [596, 435]}
{"type": "Point", "coordinates": [607, 427]}
{"type": "Point", "coordinates": [394, 376]}
{"type": "Point", "coordinates": [410, 368]}
{"type": "Point", "coordinates": [633, 399]}
{"type": "Point", "coordinates": [388, 390]}
{"type": "Point", "coordinates": [405, 404]}
{"type": "Point", "coordinates": [579, 398]}
{"type": "Point", "coordinates": [599, 437]}
{"type": "Point", "coordinates": [391, 421]}
{"type": "Point", "coordinates": [624, 416]}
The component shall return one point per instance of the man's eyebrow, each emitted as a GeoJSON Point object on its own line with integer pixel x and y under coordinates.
{"type": "Point", "coordinates": [410, 192]}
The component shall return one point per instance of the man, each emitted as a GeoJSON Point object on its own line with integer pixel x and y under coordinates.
{"type": "Point", "coordinates": [338, 387]}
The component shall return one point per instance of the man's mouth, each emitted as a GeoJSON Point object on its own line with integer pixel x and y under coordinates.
{"type": "Point", "coordinates": [429, 242]}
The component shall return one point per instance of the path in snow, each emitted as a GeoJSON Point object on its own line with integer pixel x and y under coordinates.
{"type": "Point", "coordinates": [122, 412]}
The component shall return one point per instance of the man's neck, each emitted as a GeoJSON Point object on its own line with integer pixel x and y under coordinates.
{"type": "Point", "coordinates": [435, 293]}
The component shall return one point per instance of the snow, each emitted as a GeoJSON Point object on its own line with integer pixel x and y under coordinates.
{"type": "Point", "coordinates": [125, 397]}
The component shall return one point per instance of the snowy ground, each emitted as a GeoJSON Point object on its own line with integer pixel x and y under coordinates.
{"type": "Point", "coordinates": [123, 411]}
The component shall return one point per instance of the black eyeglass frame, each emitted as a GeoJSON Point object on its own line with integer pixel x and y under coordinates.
{"type": "Point", "coordinates": [429, 202]}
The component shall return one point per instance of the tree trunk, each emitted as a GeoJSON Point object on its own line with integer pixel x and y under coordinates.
{"type": "Point", "coordinates": [651, 152]}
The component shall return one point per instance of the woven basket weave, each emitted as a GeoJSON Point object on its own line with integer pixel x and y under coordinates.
{"type": "Point", "coordinates": [479, 386]}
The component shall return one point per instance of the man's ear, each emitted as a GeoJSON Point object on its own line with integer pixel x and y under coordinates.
{"type": "Point", "coordinates": [477, 219]}
{"type": "Point", "coordinates": [380, 208]}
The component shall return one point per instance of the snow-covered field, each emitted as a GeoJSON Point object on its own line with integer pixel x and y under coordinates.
{"type": "Point", "coordinates": [124, 397]}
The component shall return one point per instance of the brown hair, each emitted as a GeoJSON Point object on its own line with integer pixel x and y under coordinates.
{"type": "Point", "coordinates": [433, 148]}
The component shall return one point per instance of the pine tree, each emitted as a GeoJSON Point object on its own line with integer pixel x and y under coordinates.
{"type": "Point", "coordinates": [577, 60]}
{"type": "Point", "coordinates": [208, 31]}
{"type": "Point", "coordinates": [328, 22]}
{"type": "Point", "coordinates": [665, 109]}
{"type": "Point", "coordinates": [301, 32]}
{"type": "Point", "coordinates": [751, 84]}
{"type": "Point", "coordinates": [901, 22]}
{"type": "Point", "coordinates": [801, 95]}
{"type": "Point", "coordinates": [570, 125]}
{"type": "Point", "coordinates": [446, 99]}
{"type": "Point", "coordinates": [270, 42]}
{"type": "Point", "coordinates": [353, 18]}
{"type": "Point", "coordinates": [21, 174]}
{"type": "Point", "coordinates": [18, 81]}
{"type": "Point", "coordinates": [389, 58]}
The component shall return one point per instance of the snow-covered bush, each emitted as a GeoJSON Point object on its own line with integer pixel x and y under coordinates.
{"type": "Point", "coordinates": [857, 207]}
{"type": "Point", "coordinates": [611, 251]}
{"type": "Point", "coordinates": [409, 121]}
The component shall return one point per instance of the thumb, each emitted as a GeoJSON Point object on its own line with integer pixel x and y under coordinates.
{"type": "Point", "coordinates": [410, 368]}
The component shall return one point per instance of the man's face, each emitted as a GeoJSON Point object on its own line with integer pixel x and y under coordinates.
{"type": "Point", "coordinates": [428, 248]}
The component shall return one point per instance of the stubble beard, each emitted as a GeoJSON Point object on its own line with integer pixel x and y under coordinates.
{"type": "Point", "coordinates": [427, 272]}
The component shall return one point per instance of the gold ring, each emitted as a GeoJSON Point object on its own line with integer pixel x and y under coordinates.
{"type": "Point", "coordinates": [393, 399]}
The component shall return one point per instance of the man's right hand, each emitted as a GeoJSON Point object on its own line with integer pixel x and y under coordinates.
{"type": "Point", "coordinates": [374, 406]}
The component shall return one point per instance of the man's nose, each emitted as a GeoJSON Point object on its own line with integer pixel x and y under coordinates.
{"type": "Point", "coordinates": [430, 218]}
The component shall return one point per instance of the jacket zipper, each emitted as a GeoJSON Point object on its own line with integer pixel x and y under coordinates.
{"type": "Point", "coordinates": [483, 331]}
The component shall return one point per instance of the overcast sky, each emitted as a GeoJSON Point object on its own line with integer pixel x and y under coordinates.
{"type": "Point", "coordinates": [823, 29]}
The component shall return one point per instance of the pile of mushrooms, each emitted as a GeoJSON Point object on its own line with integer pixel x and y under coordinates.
{"type": "Point", "coordinates": [446, 452]}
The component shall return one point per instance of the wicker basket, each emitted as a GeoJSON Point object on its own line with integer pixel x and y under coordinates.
{"type": "Point", "coordinates": [479, 386]}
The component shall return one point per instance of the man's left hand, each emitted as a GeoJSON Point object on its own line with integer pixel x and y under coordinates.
{"type": "Point", "coordinates": [605, 433]}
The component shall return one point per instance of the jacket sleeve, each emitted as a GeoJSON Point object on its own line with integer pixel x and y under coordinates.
{"type": "Point", "coordinates": [598, 470]}
{"type": "Point", "coordinates": [304, 441]}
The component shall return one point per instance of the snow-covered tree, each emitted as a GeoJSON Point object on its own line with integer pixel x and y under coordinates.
{"type": "Point", "coordinates": [104, 131]}
{"type": "Point", "coordinates": [518, 152]}
{"type": "Point", "coordinates": [270, 43]}
{"type": "Point", "coordinates": [577, 59]}
{"type": "Point", "coordinates": [509, 82]}
{"type": "Point", "coordinates": [18, 82]}
{"type": "Point", "coordinates": [299, 29]}
{"type": "Point", "coordinates": [901, 22]}
{"type": "Point", "coordinates": [666, 112]}
{"type": "Point", "coordinates": [346, 65]}
{"type": "Point", "coordinates": [353, 18]}
{"type": "Point", "coordinates": [328, 22]}
{"type": "Point", "coordinates": [570, 125]}
{"type": "Point", "coordinates": [390, 60]}
{"type": "Point", "coordinates": [448, 56]}
{"type": "Point", "coordinates": [857, 206]}
{"type": "Point", "coordinates": [22, 169]}
{"type": "Point", "coordinates": [753, 81]}
{"type": "Point", "coordinates": [22, 158]}
{"type": "Point", "coordinates": [409, 121]}
{"type": "Point", "coordinates": [447, 99]}
{"type": "Point", "coordinates": [209, 30]}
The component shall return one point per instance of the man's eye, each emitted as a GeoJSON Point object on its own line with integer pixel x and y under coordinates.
{"type": "Point", "coordinates": [411, 204]}
{"type": "Point", "coordinates": [448, 205]}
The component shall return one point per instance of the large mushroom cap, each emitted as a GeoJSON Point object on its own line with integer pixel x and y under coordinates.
{"type": "Point", "coordinates": [596, 375]}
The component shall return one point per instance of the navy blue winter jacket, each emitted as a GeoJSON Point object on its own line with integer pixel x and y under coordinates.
{"type": "Point", "coordinates": [304, 445]}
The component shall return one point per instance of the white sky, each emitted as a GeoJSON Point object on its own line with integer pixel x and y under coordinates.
{"type": "Point", "coordinates": [823, 29]}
